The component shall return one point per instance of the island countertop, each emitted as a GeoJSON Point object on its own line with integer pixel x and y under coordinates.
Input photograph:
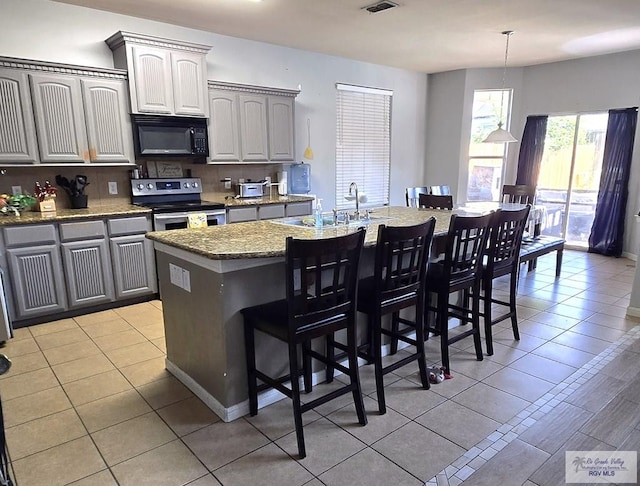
{"type": "Point", "coordinates": [264, 239]}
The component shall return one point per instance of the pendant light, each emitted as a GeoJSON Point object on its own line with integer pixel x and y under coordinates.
{"type": "Point", "coordinates": [308, 152]}
{"type": "Point", "coordinates": [500, 135]}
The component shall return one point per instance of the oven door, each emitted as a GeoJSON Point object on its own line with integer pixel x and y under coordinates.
{"type": "Point", "coordinates": [179, 220]}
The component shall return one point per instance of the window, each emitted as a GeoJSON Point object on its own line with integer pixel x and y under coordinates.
{"type": "Point", "coordinates": [487, 160]}
{"type": "Point", "coordinates": [363, 143]}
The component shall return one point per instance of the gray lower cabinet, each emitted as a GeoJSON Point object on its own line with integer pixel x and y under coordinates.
{"type": "Point", "coordinates": [302, 208]}
{"type": "Point", "coordinates": [268, 211]}
{"type": "Point", "coordinates": [132, 256]}
{"type": "Point", "coordinates": [35, 268]}
{"type": "Point", "coordinates": [58, 267]}
{"type": "Point", "coordinates": [271, 211]}
{"type": "Point", "coordinates": [239, 215]}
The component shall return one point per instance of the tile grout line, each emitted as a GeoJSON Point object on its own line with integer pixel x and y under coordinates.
{"type": "Point", "coordinates": [460, 469]}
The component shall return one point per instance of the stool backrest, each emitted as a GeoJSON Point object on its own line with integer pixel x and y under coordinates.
{"type": "Point", "coordinates": [432, 201]}
{"type": "Point", "coordinates": [440, 190]}
{"type": "Point", "coordinates": [412, 193]}
{"type": "Point", "coordinates": [401, 257]}
{"type": "Point", "coordinates": [503, 251]}
{"type": "Point", "coordinates": [518, 193]}
{"type": "Point", "coordinates": [322, 281]}
{"type": "Point", "coordinates": [466, 246]}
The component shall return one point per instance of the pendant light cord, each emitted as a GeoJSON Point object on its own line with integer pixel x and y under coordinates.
{"type": "Point", "coordinates": [504, 74]}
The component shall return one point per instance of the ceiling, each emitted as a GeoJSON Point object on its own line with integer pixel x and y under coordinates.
{"type": "Point", "coordinates": [420, 35]}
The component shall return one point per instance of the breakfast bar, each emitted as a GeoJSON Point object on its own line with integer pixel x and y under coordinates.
{"type": "Point", "coordinates": [208, 275]}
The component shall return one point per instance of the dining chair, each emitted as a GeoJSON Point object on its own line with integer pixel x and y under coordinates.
{"type": "Point", "coordinates": [397, 284]}
{"type": "Point", "coordinates": [503, 255]}
{"type": "Point", "coordinates": [440, 190]}
{"type": "Point", "coordinates": [321, 294]}
{"type": "Point", "coordinates": [518, 193]}
{"type": "Point", "coordinates": [431, 201]}
{"type": "Point", "coordinates": [459, 270]}
{"type": "Point", "coordinates": [412, 193]}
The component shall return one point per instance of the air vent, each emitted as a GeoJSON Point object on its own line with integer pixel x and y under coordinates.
{"type": "Point", "coordinates": [380, 6]}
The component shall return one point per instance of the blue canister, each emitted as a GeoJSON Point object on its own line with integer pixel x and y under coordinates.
{"type": "Point", "coordinates": [300, 178]}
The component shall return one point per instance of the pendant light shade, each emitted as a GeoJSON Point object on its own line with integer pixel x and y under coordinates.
{"type": "Point", "coordinates": [500, 135]}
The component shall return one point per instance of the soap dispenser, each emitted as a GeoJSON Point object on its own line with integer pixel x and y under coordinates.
{"type": "Point", "coordinates": [318, 219]}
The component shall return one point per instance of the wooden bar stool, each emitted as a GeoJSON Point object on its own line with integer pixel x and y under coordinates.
{"type": "Point", "coordinates": [321, 293]}
{"type": "Point", "coordinates": [397, 283]}
{"type": "Point", "coordinates": [459, 270]}
{"type": "Point", "coordinates": [433, 201]}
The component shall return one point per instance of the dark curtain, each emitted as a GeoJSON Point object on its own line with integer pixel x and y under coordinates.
{"type": "Point", "coordinates": [607, 230]}
{"type": "Point", "coordinates": [531, 148]}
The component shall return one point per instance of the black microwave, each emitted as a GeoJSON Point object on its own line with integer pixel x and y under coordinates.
{"type": "Point", "coordinates": [170, 136]}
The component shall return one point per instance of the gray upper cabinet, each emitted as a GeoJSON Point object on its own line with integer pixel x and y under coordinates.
{"type": "Point", "coordinates": [253, 127]}
{"type": "Point", "coordinates": [62, 114]}
{"type": "Point", "coordinates": [166, 77]}
{"type": "Point", "coordinates": [18, 143]}
{"type": "Point", "coordinates": [107, 119]}
{"type": "Point", "coordinates": [60, 124]}
{"type": "Point", "coordinates": [224, 139]}
{"type": "Point", "coordinates": [250, 123]}
{"type": "Point", "coordinates": [281, 128]}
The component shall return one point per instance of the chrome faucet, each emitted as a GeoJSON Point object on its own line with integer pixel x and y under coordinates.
{"type": "Point", "coordinates": [351, 186]}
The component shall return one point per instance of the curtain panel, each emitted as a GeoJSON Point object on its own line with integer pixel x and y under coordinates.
{"type": "Point", "coordinates": [531, 148]}
{"type": "Point", "coordinates": [607, 231]}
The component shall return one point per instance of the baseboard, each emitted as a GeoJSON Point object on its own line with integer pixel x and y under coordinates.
{"type": "Point", "coordinates": [633, 311]}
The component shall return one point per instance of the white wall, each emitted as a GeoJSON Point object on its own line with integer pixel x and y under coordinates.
{"type": "Point", "coordinates": [583, 85]}
{"type": "Point", "coordinates": [45, 30]}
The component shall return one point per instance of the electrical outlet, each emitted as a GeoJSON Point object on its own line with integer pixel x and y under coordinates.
{"type": "Point", "coordinates": [15, 190]}
{"type": "Point", "coordinates": [113, 188]}
{"type": "Point", "coordinates": [227, 183]}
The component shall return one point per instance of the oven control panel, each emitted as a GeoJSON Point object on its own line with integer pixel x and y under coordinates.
{"type": "Point", "coordinates": [156, 187]}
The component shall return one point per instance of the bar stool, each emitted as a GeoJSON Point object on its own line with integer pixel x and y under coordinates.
{"type": "Point", "coordinates": [459, 270]}
{"type": "Point", "coordinates": [518, 193]}
{"type": "Point", "coordinates": [397, 283]}
{"type": "Point", "coordinates": [503, 254]}
{"type": "Point", "coordinates": [433, 201]}
{"type": "Point", "coordinates": [411, 195]}
{"type": "Point", "coordinates": [321, 293]}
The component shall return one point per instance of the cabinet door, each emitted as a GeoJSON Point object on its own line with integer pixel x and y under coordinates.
{"type": "Point", "coordinates": [60, 124]}
{"type": "Point", "coordinates": [151, 80]}
{"type": "Point", "coordinates": [238, 215]}
{"type": "Point", "coordinates": [253, 126]}
{"type": "Point", "coordinates": [38, 281]}
{"type": "Point", "coordinates": [108, 123]}
{"type": "Point", "coordinates": [281, 128]}
{"type": "Point", "coordinates": [189, 83]}
{"type": "Point", "coordinates": [88, 270]}
{"type": "Point", "coordinates": [17, 130]}
{"type": "Point", "coordinates": [224, 141]}
{"type": "Point", "coordinates": [299, 208]}
{"type": "Point", "coordinates": [133, 266]}
{"type": "Point", "coordinates": [270, 211]}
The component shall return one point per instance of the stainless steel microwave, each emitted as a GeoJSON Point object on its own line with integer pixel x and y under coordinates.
{"type": "Point", "coordinates": [170, 136]}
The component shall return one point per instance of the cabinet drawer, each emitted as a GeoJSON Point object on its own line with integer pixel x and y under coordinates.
{"type": "Point", "coordinates": [129, 226]}
{"type": "Point", "coordinates": [82, 230]}
{"type": "Point", "coordinates": [238, 215]}
{"type": "Point", "coordinates": [299, 208]}
{"type": "Point", "coordinates": [271, 211]}
{"type": "Point", "coordinates": [30, 235]}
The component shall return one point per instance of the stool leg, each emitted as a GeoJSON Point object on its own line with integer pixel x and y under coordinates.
{"type": "Point", "coordinates": [375, 322]}
{"type": "Point", "coordinates": [306, 366]}
{"type": "Point", "coordinates": [395, 327]}
{"type": "Point", "coordinates": [354, 375]}
{"type": "Point", "coordinates": [295, 396]}
{"type": "Point", "coordinates": [488, 332]}
{"type": "Point", "coordinates": [513, 307]}
{"type": "Point", "coordinates": [475, 320]}
{"type": "Point", "coordinates": [442, 324]}
{"type": "Point", "coordinates": [424, 377]}
{"type": "Point", "coordinates": [330, 356]}
{"type": "Point", "coordinates": [558, 262]}
{"type": "Point", "coordinates": [250, 350]}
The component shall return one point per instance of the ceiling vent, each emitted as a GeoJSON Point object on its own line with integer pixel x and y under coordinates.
{"type": "Point", "coordinates": [380, 6]}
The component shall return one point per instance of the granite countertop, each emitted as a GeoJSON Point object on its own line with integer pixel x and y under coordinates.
{"type": "Point", "coordinates": [264, 239]}
{"type": "Point", "coordinates": [34, 217]}
{"type": "Point", "coordinates": [255, 201]}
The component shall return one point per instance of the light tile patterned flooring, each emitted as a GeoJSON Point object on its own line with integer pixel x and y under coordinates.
{"type": "Point", "coordinates": [88, 402]}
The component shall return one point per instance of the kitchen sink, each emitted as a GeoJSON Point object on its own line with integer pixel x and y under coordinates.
{"type": "Point", "coordinates": [328, 222]}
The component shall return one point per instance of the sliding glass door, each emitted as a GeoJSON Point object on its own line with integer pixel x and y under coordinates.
{"type": "Point", "coordinates": [570, 175]}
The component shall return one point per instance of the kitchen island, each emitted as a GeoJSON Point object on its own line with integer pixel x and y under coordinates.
{"type": "Point", "coordinates": [208, 275]}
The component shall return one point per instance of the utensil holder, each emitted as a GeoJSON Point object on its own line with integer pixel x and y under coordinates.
{"type": "Point", "coordinates": [79, 201]}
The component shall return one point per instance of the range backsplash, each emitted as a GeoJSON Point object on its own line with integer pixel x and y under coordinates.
{"type": "Point", "coordinates": [99, 178]}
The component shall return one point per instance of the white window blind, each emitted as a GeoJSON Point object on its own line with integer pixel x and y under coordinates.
{"type": "Point", "coordinates": [363, 143]}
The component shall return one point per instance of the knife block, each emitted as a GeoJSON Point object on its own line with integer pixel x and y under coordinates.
{"type": "Point", "coordinates": [47, 206]}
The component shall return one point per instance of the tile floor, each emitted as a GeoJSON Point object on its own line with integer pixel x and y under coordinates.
{"type": "Point", "coordinates": [88, 402]}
